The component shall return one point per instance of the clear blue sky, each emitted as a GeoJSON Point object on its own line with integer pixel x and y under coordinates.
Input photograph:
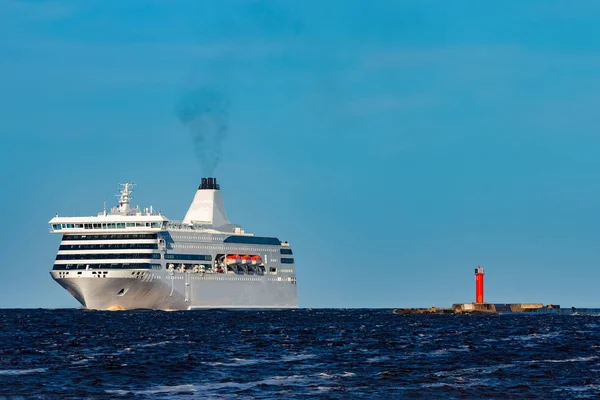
{"type": "Point", "coordinates": [396, 145]}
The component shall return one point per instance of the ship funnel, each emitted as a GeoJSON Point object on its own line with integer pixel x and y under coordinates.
{"type": "Point", "coordinates": [209, 183]}
{"type": "Point", "coordinates": [207, 208]}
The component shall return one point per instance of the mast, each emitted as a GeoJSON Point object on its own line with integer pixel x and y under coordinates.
{"type": "Point", "coordinates": [125, 197]}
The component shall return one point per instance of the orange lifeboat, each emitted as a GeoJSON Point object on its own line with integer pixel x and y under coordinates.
{"type": "Point", "coordinates": [232, 259]}
{"type": "Point", "coordinates": [246, 259]}
{"type": "Point", "coordinates": [256, 260]}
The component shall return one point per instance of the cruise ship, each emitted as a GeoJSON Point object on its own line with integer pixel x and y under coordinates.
{"type": "Point", "coordinates": [132, 258]}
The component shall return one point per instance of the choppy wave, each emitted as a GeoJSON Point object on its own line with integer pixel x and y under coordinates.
{"type": "Point", "coordinates": [314, 382]}
{"type": "Point", "coordinates": [22, 371]}
{"type": "Point", "coordinates": [301, 353]}
{"type": "Point", "coordinates": [567, 360]}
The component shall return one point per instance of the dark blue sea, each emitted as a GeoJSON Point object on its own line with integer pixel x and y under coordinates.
{"type": "Point", "coordinates": [300, 354]}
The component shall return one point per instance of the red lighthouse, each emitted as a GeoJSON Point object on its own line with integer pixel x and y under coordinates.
{"type": "Point", "coordinates": [479, 273]}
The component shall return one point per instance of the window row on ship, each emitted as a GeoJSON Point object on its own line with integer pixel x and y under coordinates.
{"type": "Point", "coordinates": [230, 240]}
{"type": "Point", "coordinates": [241, 249]}
{"type": "Point", "coordinates": [107, 256]}
{"type": "Point", "coordinates": [110, 237]}
{"type": "Point", "coordinates": [269, 241]}
{"type": "Point", "coordinates": [152, 245]}
{"type": "Point", "coordinates": [116, 225]}
{"type": "Point", "coordinates": [142, 265]}
{"type": "Point", "coordinates": [154, 256]}
{"type": "Point", "coordinates": [107, 266]}
{"type": "Point", "coordinates": [108, 246]}
{"type": "Point", "coordinates": [116, 256]}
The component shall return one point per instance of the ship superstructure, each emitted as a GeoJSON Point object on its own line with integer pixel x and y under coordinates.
{"type": "Point", "coordinates": [131, 258]}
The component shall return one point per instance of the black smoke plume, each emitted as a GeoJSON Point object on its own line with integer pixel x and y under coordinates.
{"type": "Point", "coordinates": [204, 112]}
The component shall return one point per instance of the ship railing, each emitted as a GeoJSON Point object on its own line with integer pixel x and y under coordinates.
{"type": "Point", "coordinates": [185, 226]}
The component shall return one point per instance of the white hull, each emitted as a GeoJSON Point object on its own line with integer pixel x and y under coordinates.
{"type": "Point", "coordinates": [120, 290]}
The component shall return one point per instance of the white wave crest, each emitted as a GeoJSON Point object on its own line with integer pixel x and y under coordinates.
{"type": "Point", "coordinates": [22, 371]}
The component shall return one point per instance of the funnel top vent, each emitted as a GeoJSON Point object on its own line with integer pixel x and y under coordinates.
{"type": "Point", "coordinates": [209, 184]}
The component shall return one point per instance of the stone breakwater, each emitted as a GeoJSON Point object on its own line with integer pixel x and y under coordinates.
{"type": "Point", "coordinates": [494, 308]}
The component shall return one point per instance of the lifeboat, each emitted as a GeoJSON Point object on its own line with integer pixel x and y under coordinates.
{"type": "Point", "coordinates": [256, 260]}
{"type": "Point", "coordinates": [246, 259]}
{"type": "Point", "coordinates": [232, 259]}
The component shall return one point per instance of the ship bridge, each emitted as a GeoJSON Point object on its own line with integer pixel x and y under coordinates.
{"type": "Point", "coordinates": [123, 217]}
